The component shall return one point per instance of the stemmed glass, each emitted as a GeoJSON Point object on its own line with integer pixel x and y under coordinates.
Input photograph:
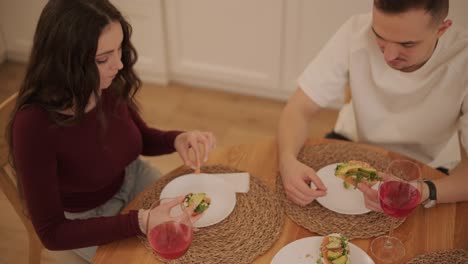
{"type": "Point", "coordinates": [169, 228]}
{"type": "Point", "coordinates": [399, 193]}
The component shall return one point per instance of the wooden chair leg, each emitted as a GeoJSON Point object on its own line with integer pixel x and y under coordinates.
{"type": "Point", "coordinates": [35, 249]}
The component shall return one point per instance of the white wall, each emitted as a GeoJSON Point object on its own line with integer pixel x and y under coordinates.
{"type": "Point", "coordinates": [458, 13]}
{"type": "Point", "coordinates": [18, 19]}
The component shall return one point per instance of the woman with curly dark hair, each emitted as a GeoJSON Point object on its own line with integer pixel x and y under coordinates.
{"type": "Point", "coordinates": [76, 136]}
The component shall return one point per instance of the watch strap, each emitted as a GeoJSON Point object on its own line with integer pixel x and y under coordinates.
{"type": "Point", "coordinates": [431, 200]}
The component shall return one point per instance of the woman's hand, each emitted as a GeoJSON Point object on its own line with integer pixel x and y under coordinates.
{"type": "Point", "coordinates": [201, 143]}
{"type": "Point", "coordinates": [161, 214]}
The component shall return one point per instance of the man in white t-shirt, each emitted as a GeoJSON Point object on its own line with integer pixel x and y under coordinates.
{"type": "Point", "coordinates": [408, 73]}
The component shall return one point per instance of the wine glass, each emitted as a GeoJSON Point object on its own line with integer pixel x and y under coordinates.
{"type": "Point", "coordinates": [399, 193]}
{"type": "Point", "coordinates": [169, 228]}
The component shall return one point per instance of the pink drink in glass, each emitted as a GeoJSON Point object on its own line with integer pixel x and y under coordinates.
{"type": "Point", "coordinates": [170, 239]}
{"type": "Point", "coordinates": [398, 199]}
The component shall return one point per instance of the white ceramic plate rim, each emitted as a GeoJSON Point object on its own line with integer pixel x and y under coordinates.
{"type": "Point", "coordinates": [307, 251]}
{"type": "Point", "coordinates": [223, 198]}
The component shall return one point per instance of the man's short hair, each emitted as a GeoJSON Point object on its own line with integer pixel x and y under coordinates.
{"type": "Point", "coordinates": [437, 8]}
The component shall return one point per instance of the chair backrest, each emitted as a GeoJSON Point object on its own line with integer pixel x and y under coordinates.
{"type": "Point", "coordinates": [5, 110]}
{"type": "Point", "coordinates": [8, 182]}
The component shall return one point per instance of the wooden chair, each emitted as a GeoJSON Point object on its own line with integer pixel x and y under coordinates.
{"type": "Point", "coordinates": [8, 183]}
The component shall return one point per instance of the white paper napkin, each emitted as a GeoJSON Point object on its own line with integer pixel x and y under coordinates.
{"type": "Point", "coordinates": [239, 182]}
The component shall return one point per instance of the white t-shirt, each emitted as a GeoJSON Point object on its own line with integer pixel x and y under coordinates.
{"type": "Point", "coordinates": [417, 113]}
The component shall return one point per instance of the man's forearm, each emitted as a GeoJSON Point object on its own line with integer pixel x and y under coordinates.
{"type": "Point", "coordinates": [292, 133]}
{"type": "Point", "coordinates": [294, 125]}
{"type": "Point", "coordinates": [453, 188]}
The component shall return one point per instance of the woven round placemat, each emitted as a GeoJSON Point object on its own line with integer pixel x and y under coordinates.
{"type": "Point", "coordinates": [323, 221]}
{"type": "Point", "coordinates": [249, 231]}
{"type": "Point", "coordinates": [454, 256]}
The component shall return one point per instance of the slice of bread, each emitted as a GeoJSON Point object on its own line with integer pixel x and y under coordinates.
{"type": "Point", "coordinates": [335, 249]}
{"type": "Point", "coordinates": [201, 201]}
{"type": "Point", "coordinates": [354, 172]}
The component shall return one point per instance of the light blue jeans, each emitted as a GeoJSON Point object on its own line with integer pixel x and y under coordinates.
{"type": "Point", "coordinates": [138, 175]}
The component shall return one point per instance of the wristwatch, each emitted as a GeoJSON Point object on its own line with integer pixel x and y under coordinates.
{"type": "Point", "coordinates": [432, 199]}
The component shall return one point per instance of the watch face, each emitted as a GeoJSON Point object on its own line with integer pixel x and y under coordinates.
{"type": "Point", "coordinates": [429, 203]}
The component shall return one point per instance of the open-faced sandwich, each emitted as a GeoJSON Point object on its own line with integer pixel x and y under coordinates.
{"type": "Point", "coordinates": [200, 199]}
{"type": "Point", "coordinates": [334, 250]}
{"type": "Point", "coordinates": [354, 172]}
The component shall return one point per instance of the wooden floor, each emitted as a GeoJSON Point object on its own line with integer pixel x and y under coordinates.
{"type": "Point", "coordinates": [233, 118]}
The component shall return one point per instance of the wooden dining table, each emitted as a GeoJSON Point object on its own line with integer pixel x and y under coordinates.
{"type": "Point", "coordinates": [442, 227]}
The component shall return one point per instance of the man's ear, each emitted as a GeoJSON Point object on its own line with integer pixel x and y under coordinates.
{"type": "Point", "coordinates": [443, 27]}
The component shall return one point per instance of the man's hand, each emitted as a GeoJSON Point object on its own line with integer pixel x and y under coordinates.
{"type": "Point", "coordinates": [296, 178]}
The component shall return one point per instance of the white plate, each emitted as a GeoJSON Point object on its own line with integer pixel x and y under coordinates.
{"type": "Point", "coordinates": [338, 199]}
{"type": "Point", "coordinates": [307, 251]}
{"type": "Point", "coordinates": [223, 198]}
